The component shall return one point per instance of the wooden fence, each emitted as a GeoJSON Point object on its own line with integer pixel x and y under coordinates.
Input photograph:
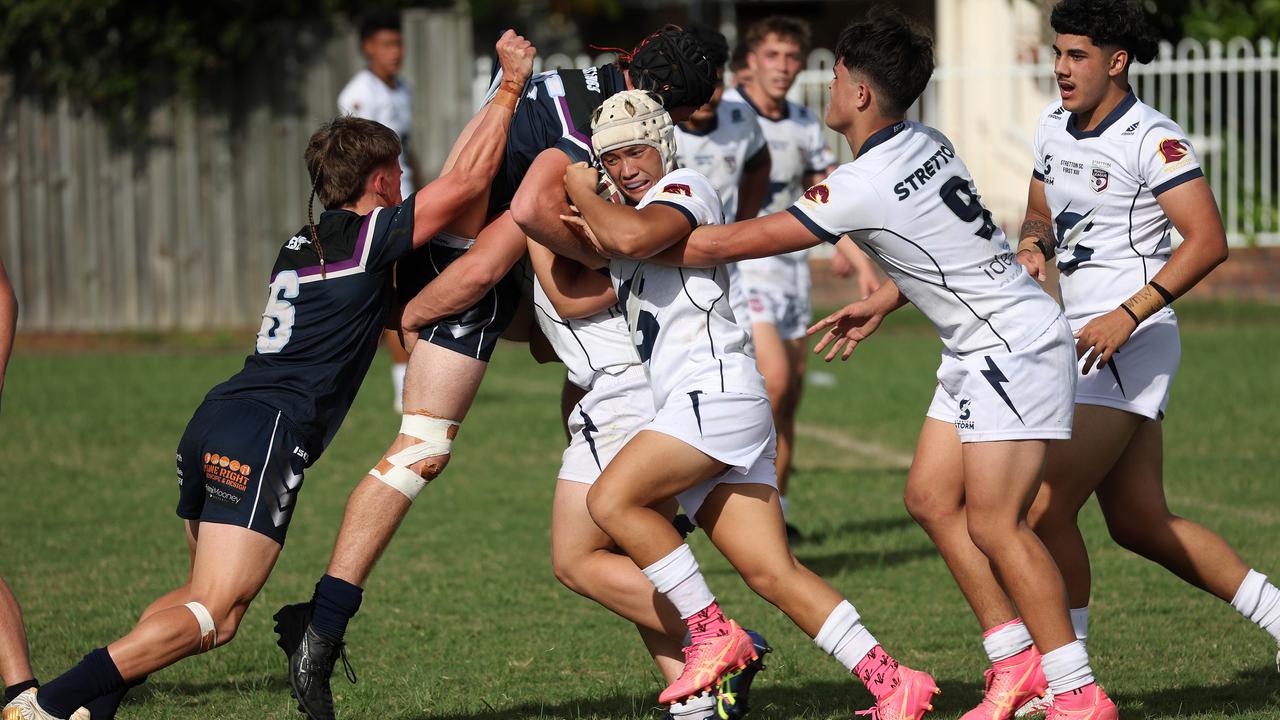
{"type": "Point", "coordinates": [178, 228]}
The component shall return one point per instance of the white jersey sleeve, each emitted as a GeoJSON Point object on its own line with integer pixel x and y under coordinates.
{"type": "Point", "coordinates": [909, 201]}
{"type": "Point", "coordinates": [845, 201]}
{"type": "Point", "coordinates": [1165, 157]}
{"type": "Point", "coordinates": [691, 194]}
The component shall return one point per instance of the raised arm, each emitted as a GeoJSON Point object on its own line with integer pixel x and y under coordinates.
{"type": "Point", "coordinates": [8, 322]}
{"type": "Point", "coordinates": [440, 202]}
{"type": "Point", "coordinates": [574, 289]}
{"type": "Point", "coordinates": [1036, 243]}
{"type": "Point", "coordinates": [712, 245]}
{"type": "Point", "coordinates": [622, 230]}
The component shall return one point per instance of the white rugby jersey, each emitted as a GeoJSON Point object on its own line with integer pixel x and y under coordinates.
{"type": "Point", "coordinates": [366, 96]}
{"type": "Point", "coordinates": [796, 149]}
{"type": "Point", "coordinates": [1102, 187]}
{"type": "Point", "coordinates": [680, 320]}
{"type": "Point", "coordinates": [909, 201]}
{"type": "Point", "coordinates": [722, 151]}
{"type": "Point", "coordinates": [589, 347]}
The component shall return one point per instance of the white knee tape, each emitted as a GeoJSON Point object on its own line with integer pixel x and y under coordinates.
{"type": "Point", "coordinates": [435, 438]}
{"type": "Point", "coordinates": [208, 631]}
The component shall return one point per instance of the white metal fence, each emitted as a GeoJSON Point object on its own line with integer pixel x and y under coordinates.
{"type": "Point", "coordinates": [1224, 95]}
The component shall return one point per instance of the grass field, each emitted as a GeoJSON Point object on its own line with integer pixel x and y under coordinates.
{"type": "Point", "coordinates": [463, 619]}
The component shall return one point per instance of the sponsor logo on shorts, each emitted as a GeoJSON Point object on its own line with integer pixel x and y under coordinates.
{"type": "Point", "coordinates": [226, 471]}
{"type": "Point", "coordinates": [962, 420]}
{"type": "Point", "coordinates": [221, 495]}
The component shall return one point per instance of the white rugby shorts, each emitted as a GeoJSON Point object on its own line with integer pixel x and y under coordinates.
{"type": "Point", "coordinates": [773, 291]}
{"type": "Point", "coordinates": [734, 428]}
{"type": "Point", "coordinates": [1138, 376]}
{"type": "Point", "coordinates": [615, 409]}
{"type": "Point", "coordinates": [1022, 395]}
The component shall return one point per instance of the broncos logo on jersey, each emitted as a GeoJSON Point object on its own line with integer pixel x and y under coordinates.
{"type": "Point", "coordinates": [1071, 227]}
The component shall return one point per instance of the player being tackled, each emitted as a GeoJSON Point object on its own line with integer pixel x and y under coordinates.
{"type": "Point", "coordinates": [713, 427]}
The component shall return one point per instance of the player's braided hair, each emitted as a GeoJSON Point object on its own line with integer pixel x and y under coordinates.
{"type": "Point", "coordinates": [672, 63]}
{"type": "Point", "coordinates": [340, 155]}
{"type": "Point", "coordinates": [1114, 23]}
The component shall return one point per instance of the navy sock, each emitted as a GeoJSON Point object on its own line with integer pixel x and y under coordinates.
{"type": "Point", "coordinates": [96, 675]}
{"type": "Point", "coordinates": [17, 689]}
{"type": "Point", "coordinates": [105, 707]}
{"type": "Point", "coordinates": [336, 602]}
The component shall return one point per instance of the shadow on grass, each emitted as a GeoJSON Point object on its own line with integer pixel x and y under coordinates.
{"type": "Point", "coordinates": [1252, 691]}
{"type": "Point", "coordinates": [854, 560]}
{"type": "Point", "coordinates": [869, 526]}
{"type": "Point", "coordinates": [819, 699]}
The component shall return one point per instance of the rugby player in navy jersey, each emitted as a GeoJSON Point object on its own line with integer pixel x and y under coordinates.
{"type": "Point", "coordinates": [241, 460]}
{"type": "Point", "coordinates": [461, 296]}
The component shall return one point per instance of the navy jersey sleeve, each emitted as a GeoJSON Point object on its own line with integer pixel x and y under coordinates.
{"type": "Point", "coordinates": [390, 234]}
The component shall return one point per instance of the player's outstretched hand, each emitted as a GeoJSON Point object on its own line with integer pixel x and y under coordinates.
{"type": "Point", "coordinates": [1033, 262]}
{"type": "Point", "coordinates": [515, 55]}
{"type": "Point", "coordinates": [1101, 337]}
{"type": "Point", "coordinates": [845, 329]}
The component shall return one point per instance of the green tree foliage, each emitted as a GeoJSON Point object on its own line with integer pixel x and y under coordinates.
{"type": "Point", "coordinates": [121, 55]}
{"type": "Point", "coordinates": [1225, 19]}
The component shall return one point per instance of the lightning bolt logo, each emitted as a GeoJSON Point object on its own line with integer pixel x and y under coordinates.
{"type": "Point", "coordinates": [997, 380]}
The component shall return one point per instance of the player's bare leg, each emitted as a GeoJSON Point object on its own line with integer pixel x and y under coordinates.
{"type": "Point", "coordinates": [1073, 470]}
{"type": "Point", "coordinates": [745, 523]}
{"type": "Point", "coordinates": [1001, 480]}
{"type": "Point", "coordinates": [775, 361]}
{"type": "Point", "coordinates": [231, 565]}
{"type": "Point", "coordinates": [935, 498]}
{"type": "Point", "coordinates": [583, 559]}
{"type": "Point", "coordinates": [1133, 502]}
{"type": "Point", "coordinates": [440, 383]}
{"type": "Point", "coordinates": [15, 659]}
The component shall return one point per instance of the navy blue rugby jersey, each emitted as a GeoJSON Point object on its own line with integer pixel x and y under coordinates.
{"type": "Point", "coordinates": [319, 333]}
{"type": "Point", "coordinates": [555, 112]}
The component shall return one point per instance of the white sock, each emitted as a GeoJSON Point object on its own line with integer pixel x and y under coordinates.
{"type": "Point", "coordinates": [677, 576]}
{"type": "Point", "coordinates": [1259, 601]}
{"type": "Point", "coordinates": [843, 636]}
{"type": "Point", "coordinates": [1067, 668]}
{"type": "Point", "coordinates": [1011, 639]}
{"type": "Point", "coordinates": [782, 499]}
{"type": "Point", "coordinates": [1080, 622]}
{"type": "Point", "coordinates": [698, 708]}
{"type": "Point", "coordinates": [397, 385]}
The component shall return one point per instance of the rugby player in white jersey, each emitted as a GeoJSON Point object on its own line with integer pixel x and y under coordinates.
{"type": "Point", "coordinates": [1112, 177]}
{"type": "Point", "coordinates": [1007, 377]}
{"type": "Point", "coordinates": [723, 141]}
{"type": "Point", "coordinates": [712, 429]}
{"type": "Point", "coordinates": [378, 93]}
{"type": "Point", "coordinates": [774, 292]}
{"type": "Point", "coordinates": [577, 311]}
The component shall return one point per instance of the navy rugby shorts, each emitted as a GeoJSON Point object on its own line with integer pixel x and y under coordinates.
{"type": "Point", "coordinates": [475, 331]}
{"type": "Point", "coordinates": [240, 463]}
